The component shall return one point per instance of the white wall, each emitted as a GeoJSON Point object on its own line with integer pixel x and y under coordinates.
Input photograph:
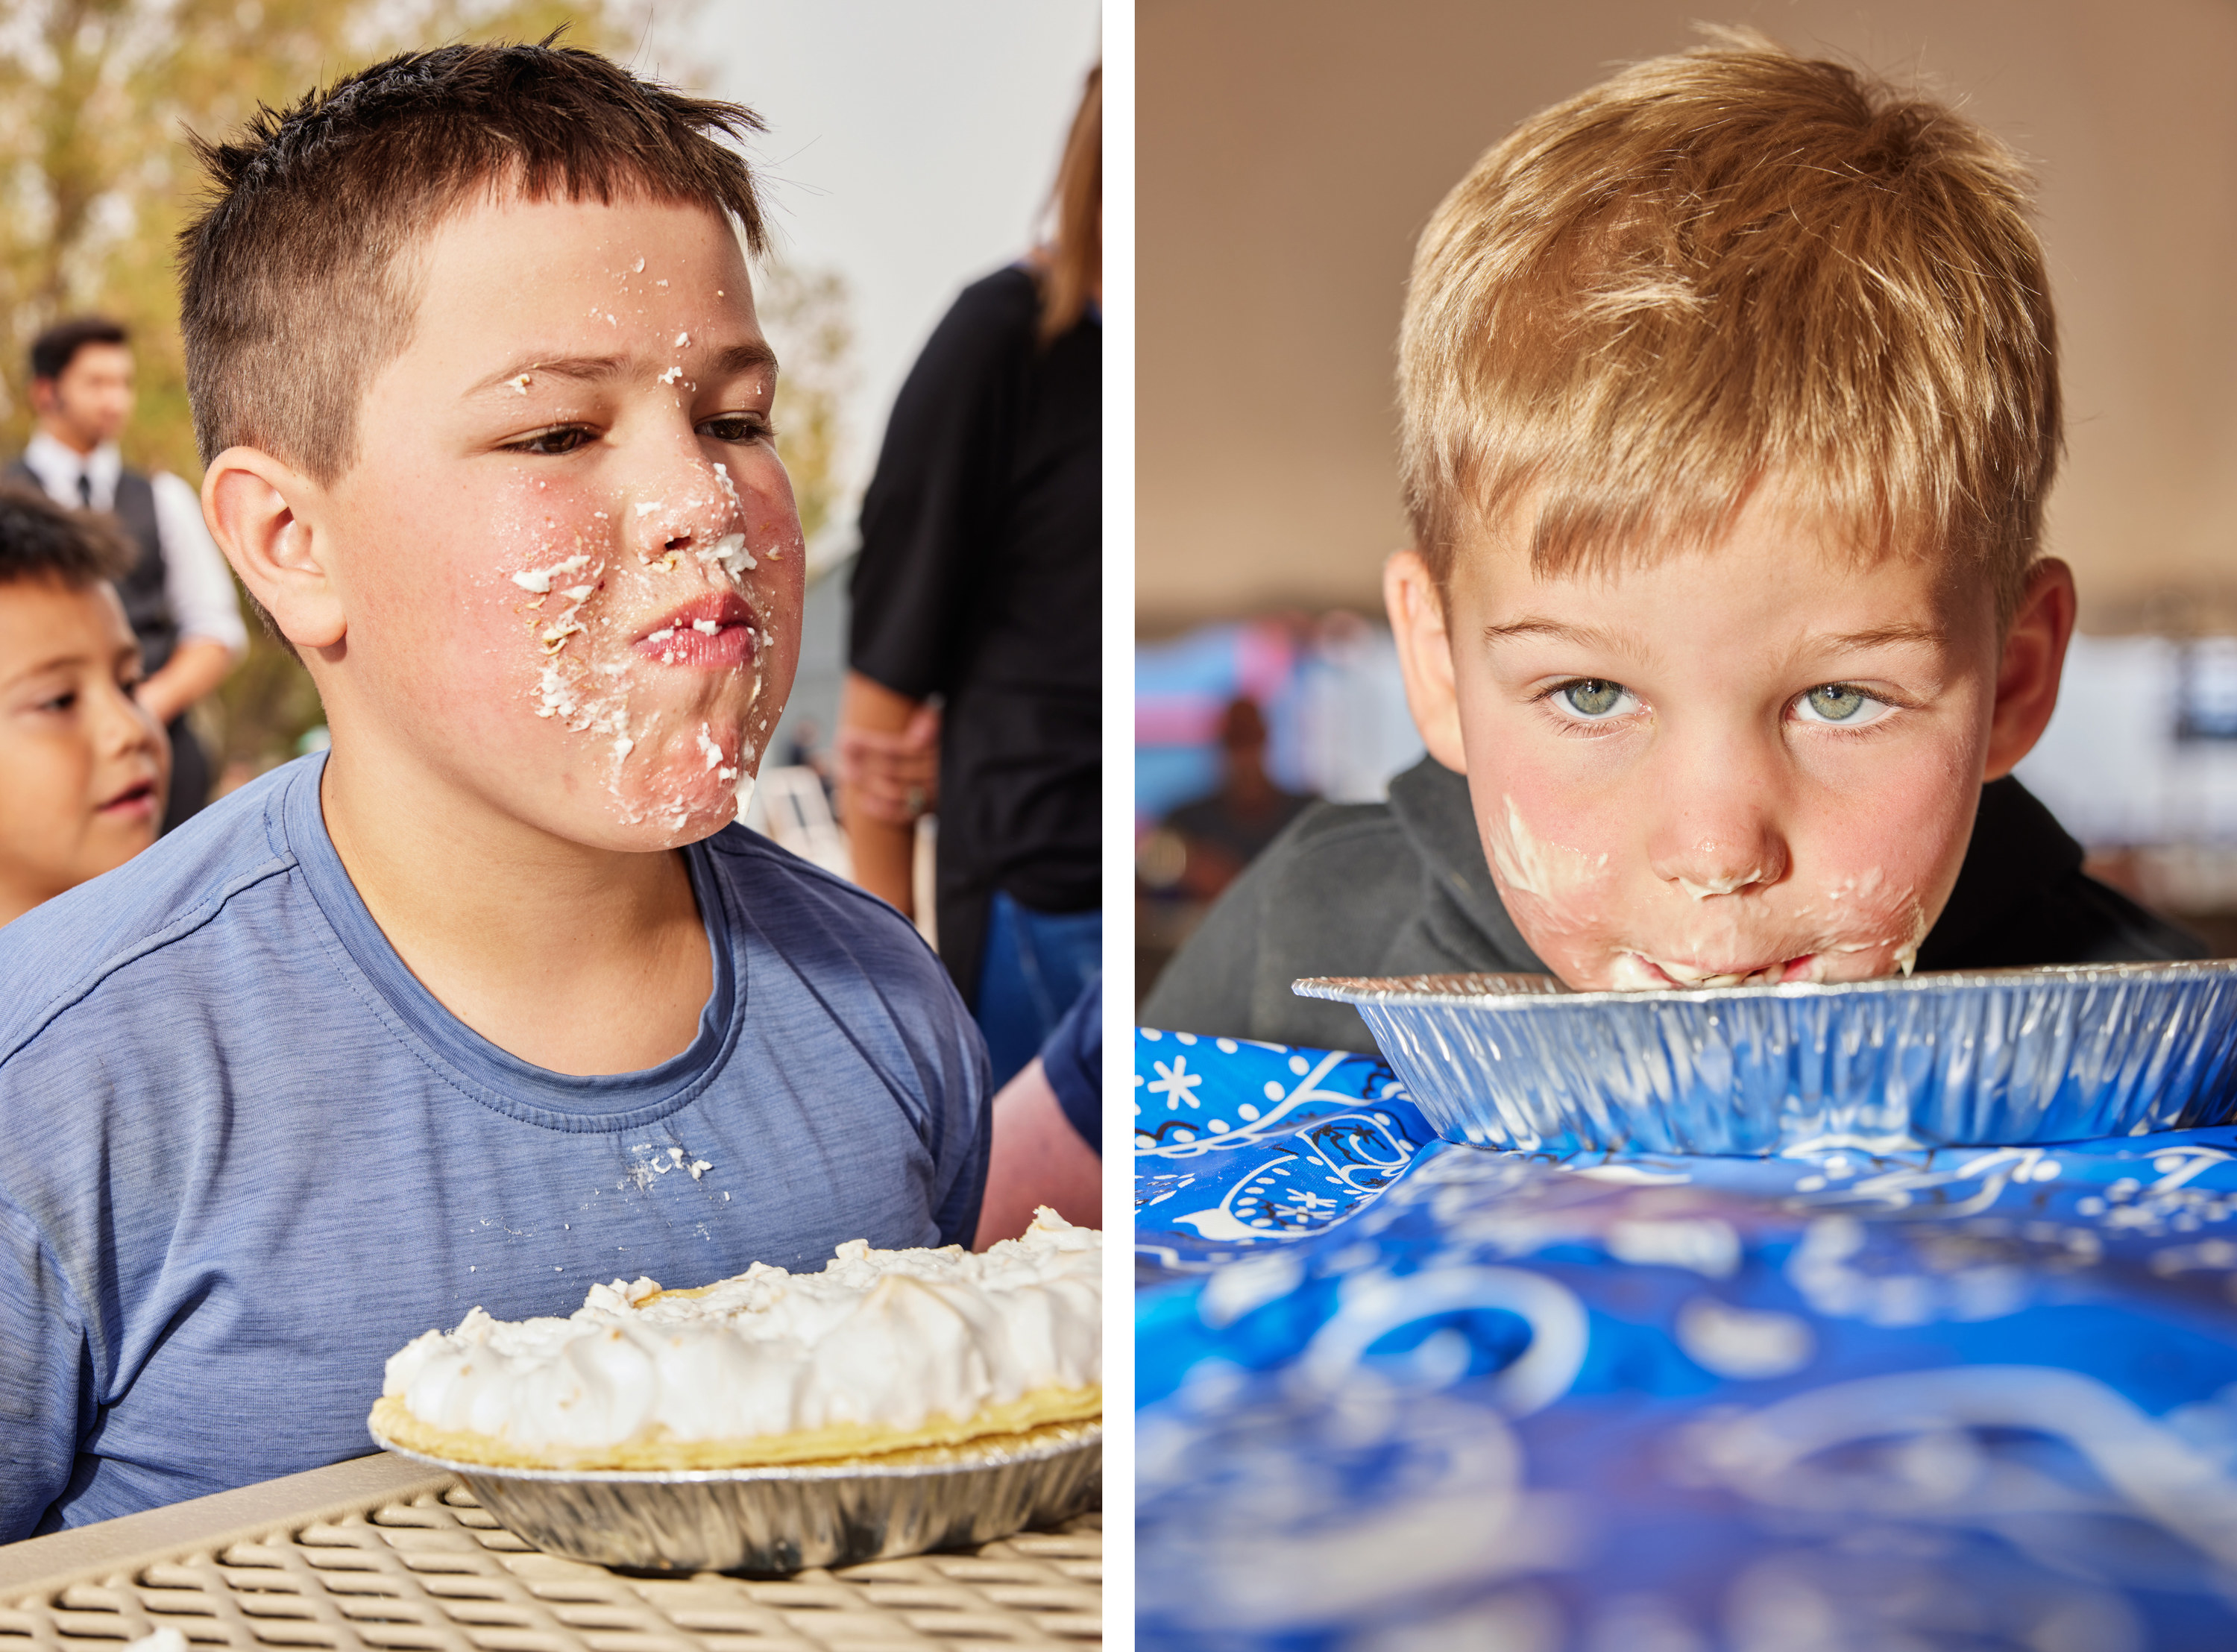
{"type": "Point", "coordinates": [2110, 765]}
{"type": "Point", "coordinates": [912, 146]}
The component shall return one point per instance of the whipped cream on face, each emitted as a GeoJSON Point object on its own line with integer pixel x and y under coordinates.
{"type": "Point", "coordinates": [1527, 863]}
{"type": "Point", "coordinates": [886, 1339]}
{"type": "Point", "coordinates": [538, 580]}
{"type": "Point", "coordinates": [729, 553]}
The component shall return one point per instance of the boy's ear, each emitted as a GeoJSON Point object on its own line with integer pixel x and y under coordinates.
{"type": "Point", "coordinates": [1425, 655]}
{"type": "Point", "coordinates": [2027, 676]}
{"type": "Point", "coordinates": [264, 513]}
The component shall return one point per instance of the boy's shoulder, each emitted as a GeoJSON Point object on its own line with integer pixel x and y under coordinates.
{"type": "Point", "coordinates": [843, 951]}
{"type": "Point", "coordinates": [1369, 875]}
{"type": "Point", "coordinates": [784, 893]}
{"type": "Point", "coordinates": [2023, 898]}
{"type": "Point", "coordinates": [1393, 888]}
{"type": "Point", "coordinates": [55, 954]}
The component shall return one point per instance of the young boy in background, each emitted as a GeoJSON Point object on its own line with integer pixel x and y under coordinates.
{"type": "Point", "coordinates": [493, 1002]}
{"type": "Point", "coordinates": [1730, 402]}
{"type": "Point", "coordinates": [178, 597]}
{"type": "Point", "coordinates": [82, 764]}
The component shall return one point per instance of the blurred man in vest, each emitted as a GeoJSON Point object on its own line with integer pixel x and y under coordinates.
{"type": "Point", "coordinates": [179, 594]}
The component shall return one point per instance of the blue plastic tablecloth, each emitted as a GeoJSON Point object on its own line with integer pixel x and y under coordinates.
{"type": "Point", "coordinates": [1396, 1394]}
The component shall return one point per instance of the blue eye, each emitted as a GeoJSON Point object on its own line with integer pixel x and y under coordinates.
{"type": "Point", "coordinates": [1593, 697]}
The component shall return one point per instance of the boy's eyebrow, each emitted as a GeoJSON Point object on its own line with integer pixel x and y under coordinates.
{"type": "Point", "coordinates": [584, 369]}
{"type": "Point", "coordinates": [1556, 631]}
{"type": "Point", "coordinates": [745, 358]}
{"type": "Point", "coordinates": [1881, 636]}
{"type": "Point", "coordinates": [1587, 637]}
{"type": "Point", "coordinates": [731, 358]}
{"type": "Point", "coordinates": [53, 662]}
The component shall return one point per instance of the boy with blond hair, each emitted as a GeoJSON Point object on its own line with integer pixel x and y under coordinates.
{"type": "Point", "coordinates": [495, 1001]}
{"type": "Point", "coordinates": [1730, 400]}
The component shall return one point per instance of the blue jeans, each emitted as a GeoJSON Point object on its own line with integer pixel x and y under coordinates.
{"type": "Point", "coordinates": [1035, 964]}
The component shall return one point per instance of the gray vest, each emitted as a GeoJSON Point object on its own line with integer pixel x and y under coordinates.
{"type": "Point", "coordinates": [147, 605]}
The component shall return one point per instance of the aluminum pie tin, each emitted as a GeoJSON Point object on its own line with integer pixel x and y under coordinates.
{"type": "Point", "coordinates": [1994, 1056]}
{"type": "Point", "coordinates": [780, 1520]}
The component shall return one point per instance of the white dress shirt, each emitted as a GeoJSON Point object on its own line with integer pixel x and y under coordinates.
{"type": "Point", "coordinates": [196, 578]}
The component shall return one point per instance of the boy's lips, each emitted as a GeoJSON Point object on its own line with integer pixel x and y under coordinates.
{"type": "Point", "coordinates": [1681, 974]}
{"type": "Point", "coordinates": [712, 631]}
{"type": "Point", "coordinates": [136, 802]}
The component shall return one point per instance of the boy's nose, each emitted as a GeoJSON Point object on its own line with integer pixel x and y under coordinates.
{"type": "Point", "coordinates": [659, 525]}
{"type": "Point", "coordinates": [127, 726]}
{"type": "Point", "coordinates": [1720, 837]}
{"type": "Point", "coordinates": [678, 505]}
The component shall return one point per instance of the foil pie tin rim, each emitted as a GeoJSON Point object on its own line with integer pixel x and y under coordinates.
{"type": "Point", "coordinates": [1089, 1433]}
{"type": "Point", "coordinates": [1518, 990]}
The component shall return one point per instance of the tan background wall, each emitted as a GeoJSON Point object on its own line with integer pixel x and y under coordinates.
{"type": "Point", "coordinates": [1290, 151]}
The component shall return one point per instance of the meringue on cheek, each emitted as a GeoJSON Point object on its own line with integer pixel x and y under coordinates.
{"type": "Point", "coordinates": [1706, 833]}
{"type": "Point", "coordinates": [701, 686]}
{"type": "Point", "coordinates": [1551, 889]}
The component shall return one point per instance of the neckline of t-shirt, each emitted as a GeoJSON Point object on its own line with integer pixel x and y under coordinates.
{"type": "Point", "coordinates": [493, 1077]}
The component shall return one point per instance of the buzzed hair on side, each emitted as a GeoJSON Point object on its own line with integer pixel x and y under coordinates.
{"type": "Point", "coordinates": [1721, 268]}
{"type": "Point", "coordinates": [41, 540]}
{"type": "Point", "coordinates": [299, 282]}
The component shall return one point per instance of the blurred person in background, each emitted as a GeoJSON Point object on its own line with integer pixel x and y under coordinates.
{"type": "Point", "coordinates": [83, 762]}
{"type": "Point", "coordinates": [178, 594]}
{"type": "Point", "coordinates": [980, 583]}
{"type": "Point", "coordinates": [1223, 832]}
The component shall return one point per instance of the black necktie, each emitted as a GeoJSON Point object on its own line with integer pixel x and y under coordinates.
{"type": "Point", "coordinates": [85, 490]}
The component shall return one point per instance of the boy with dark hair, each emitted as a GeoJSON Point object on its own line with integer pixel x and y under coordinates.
{"type": "Point", "coordinates": [176, 592]}
{"type": "Point", "coordinates": [1730, 403]}
{"type": "Point", "coordinates": [83, 763]}
{"type": "Point", "coordinates": [495, 1000]}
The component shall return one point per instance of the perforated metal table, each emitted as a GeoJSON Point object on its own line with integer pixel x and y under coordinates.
{"type": "Point", "coordinates": [381, 1553]}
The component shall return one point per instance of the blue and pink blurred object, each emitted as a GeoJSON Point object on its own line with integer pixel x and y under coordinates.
{"type": "Point", "coordinates": [1335, 710]}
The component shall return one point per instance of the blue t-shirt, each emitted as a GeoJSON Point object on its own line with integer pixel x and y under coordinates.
{"type": "Point", "coordinates": [245, 1156]}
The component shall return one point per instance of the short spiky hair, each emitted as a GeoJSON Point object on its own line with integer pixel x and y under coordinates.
{"type": "Point", "coordinates": [41, 540]}
{"type": "Point", "coordinates": [296, 284]}
{"type": "Point", "coordinates": [1724, 266]}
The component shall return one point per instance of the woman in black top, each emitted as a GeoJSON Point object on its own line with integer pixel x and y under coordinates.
{"type": "Point", "coordinates": [980, 583]}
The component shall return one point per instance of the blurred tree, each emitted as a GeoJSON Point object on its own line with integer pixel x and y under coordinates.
{"type": "Point", "coordinates": [805, 313]}
{"type": "Point", "coordinates": [95, 183]}
{"type": "Point", "coordinates": [94, 96]}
